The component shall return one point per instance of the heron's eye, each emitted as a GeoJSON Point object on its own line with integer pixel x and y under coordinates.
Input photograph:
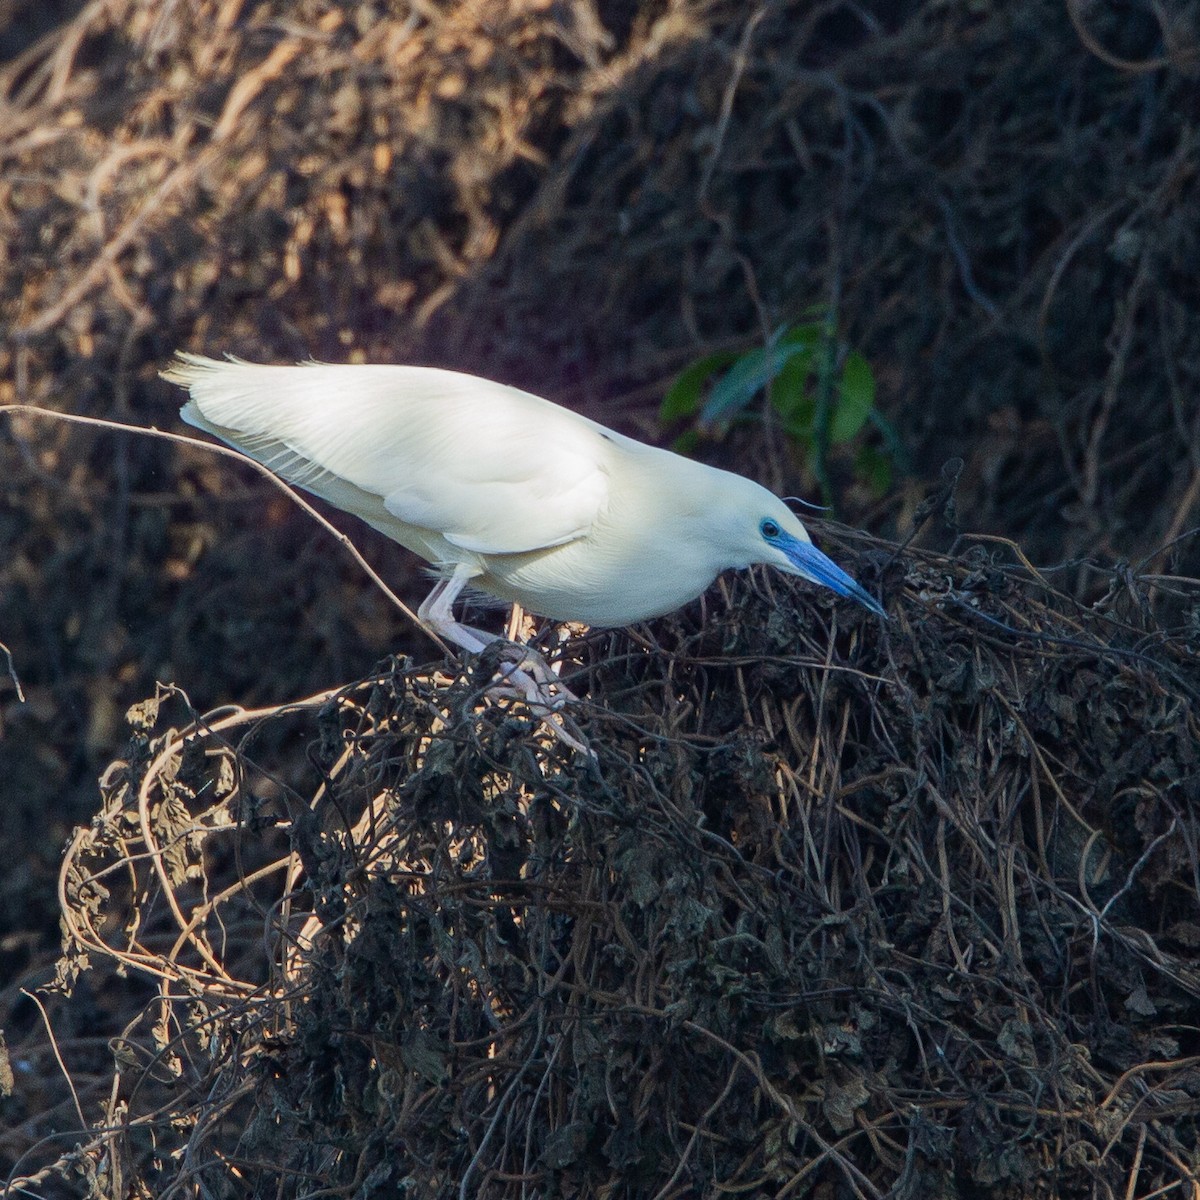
{"type": "Point", "coordinates": [769, 530]}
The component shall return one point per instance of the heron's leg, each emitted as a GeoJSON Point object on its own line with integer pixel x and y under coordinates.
{"type": "Point", "coordinates": [437, 613]}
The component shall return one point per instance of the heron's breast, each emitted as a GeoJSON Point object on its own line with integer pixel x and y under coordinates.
{"type": "Point", "coordinates": [607, 585]}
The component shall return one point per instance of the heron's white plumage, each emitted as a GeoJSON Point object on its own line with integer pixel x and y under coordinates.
{"type": "Point", "coordinates": [503, 490]}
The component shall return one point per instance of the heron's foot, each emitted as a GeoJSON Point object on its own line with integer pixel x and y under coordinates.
{"type": "Point", "coordinates": [523, 674]}
{"type": "Point", "coordinates": [529, 675]}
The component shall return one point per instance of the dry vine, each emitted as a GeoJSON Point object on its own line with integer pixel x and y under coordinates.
{"type": "Point", "coordinates": [893, 910]}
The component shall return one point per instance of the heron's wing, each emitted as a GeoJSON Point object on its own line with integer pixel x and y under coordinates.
{"type": "Point", "coordinates": [508, 504]}
{"type": "Point", "coordinates": [491, 469]}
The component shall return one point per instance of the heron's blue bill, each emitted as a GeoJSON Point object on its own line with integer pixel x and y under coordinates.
{"type": "Point", "coordinates": [818, 568]}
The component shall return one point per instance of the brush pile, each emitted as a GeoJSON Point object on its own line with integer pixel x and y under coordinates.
{"type": "Point", "coordinates": [836, 908]}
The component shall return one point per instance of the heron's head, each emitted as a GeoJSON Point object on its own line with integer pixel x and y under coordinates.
{"type": "Point", "coordinates": [769, 532]}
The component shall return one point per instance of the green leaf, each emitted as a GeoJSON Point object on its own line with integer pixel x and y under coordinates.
{"type": "Point", "coordinates": [789, 392]}
{"type": "Point", "coordinates": [875, 468]}
{"type": "Point", "coordinates": [809, 335]}
{"type": "Point", "coordinates": [892, 440]}
{"type": "Point", "coordinates": [856, 399]}
{"type": "Point", "coordinates": [748, 376]}
{"type": "Point", "coordinates": [801, 432]}
{"type": "Point", "coordinates": [686, 442]}
{"type": "Point", "coordinates": [683, 398]}
{"type": "Point", "coordinates": [735, 389]}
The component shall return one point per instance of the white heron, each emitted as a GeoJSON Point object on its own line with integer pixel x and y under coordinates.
{"type": "Point", "coordinates": [503, 491]}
